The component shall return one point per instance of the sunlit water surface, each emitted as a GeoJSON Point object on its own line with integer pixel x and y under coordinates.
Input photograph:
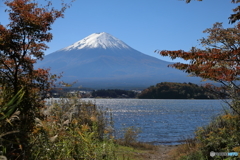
{"type": "Point", "coordinates": [162, 121]}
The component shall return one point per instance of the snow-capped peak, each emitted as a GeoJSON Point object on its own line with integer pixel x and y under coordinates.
{"type": "Point", "coordinates": [98, 40]}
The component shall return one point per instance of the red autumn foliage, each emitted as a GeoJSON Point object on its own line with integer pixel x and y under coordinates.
{"type": "Point", "coordinates": [218, 60]}
{"type": "Point", "coordinates": [22, 43]}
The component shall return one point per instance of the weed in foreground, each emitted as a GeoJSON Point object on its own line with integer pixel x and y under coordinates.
{"type": "Point", "coordinates": [221, 135]}
{"type": "Point", "coordinates": [73, 129]}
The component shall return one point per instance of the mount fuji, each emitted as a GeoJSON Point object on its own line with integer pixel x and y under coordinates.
{"type": "Point", "coordinates": [103, 61]}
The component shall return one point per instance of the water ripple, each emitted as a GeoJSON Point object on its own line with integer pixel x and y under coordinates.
{"type": "Point", "coordinates": [161, 121]}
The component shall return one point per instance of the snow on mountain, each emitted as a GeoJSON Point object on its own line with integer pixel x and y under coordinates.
{"type": "Point", "coordinates": [103, 61]}
{"type": "Point", "coordinates": [98, 40]}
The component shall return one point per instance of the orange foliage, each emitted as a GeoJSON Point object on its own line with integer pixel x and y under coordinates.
{"type": "Point", "coordinates": [22, 43]}
{"type": "Point", "coordinates": [220, 59]}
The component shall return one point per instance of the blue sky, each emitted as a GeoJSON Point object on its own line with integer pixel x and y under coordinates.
{"type": "Point", "coordinates": [145, 25]}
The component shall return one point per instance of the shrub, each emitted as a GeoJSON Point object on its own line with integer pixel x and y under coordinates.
{"type": "Point", "coordinates": [130, 135]}
{"type": "Point", "coordinates": [73, 129]}
{"type": "Point", "coordinates": [129, 138]}
{"type": "Point", "coordinates": [221, 135]}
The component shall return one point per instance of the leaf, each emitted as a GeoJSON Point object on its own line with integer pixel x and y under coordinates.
{"type": "Point", "coordinates": [10, 108]}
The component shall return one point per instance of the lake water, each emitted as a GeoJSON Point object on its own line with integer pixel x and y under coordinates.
{"type": "Point", "coordinates": [161, 121]}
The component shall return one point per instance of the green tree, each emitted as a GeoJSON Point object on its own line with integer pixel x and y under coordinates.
{"type": "Point", "coordinates": [171, 90]}
{"type": "Point", "coordinates": [22, 43]}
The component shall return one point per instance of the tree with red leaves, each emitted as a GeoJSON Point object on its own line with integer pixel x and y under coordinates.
{"type": "Point", "coordinates": [22, 43]}
{"type": "Point", "coordinates": [219, 60]}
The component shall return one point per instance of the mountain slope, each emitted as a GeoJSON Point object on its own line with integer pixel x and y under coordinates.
{"type": "Point", "coordinates": [101, 60]}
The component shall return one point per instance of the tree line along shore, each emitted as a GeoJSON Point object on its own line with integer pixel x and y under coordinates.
{"type": "Point", "coordinates": [163, 90]}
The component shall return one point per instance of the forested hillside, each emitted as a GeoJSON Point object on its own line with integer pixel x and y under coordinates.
{"type": "Point", "coordinates": [114, 93]}
{"type": "Point", "coordinates": [170, 90]}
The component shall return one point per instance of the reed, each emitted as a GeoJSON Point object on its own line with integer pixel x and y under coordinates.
{"type": "Point", "coordinates": [73, 129]}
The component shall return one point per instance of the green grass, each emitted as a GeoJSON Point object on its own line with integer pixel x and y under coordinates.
{"type": "Point", "coordinates": [132, 153]}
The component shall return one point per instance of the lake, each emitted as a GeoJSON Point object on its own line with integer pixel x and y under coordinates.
{"type": "Point", "coordinates": [162, 121]}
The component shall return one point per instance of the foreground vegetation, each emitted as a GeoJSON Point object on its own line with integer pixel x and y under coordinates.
{"type": "Point", "coordinates": [221, 135]}
{"type": "Point", "coordinates": [69, 130]}
{"type": "Point", "coordinates": [73, 129]}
